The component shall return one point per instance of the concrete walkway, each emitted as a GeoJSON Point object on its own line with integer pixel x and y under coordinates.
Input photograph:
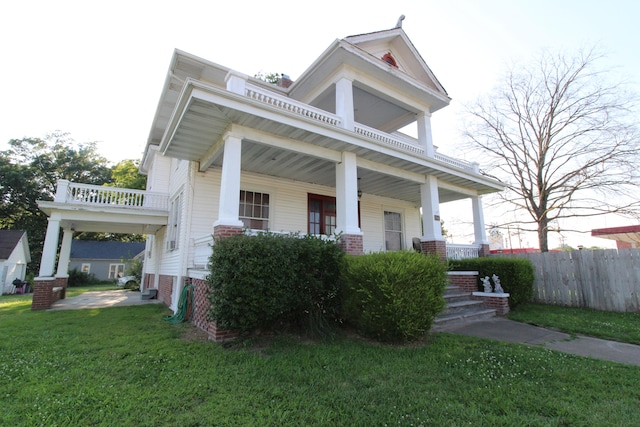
{"type": "Point", "coordinates": [101, 299]}
{"type": "Point", "coordinates": [502, 329]}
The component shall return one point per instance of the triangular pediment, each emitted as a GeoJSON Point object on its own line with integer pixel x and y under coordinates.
{"type": "Point", "coordinates": [394, 48]}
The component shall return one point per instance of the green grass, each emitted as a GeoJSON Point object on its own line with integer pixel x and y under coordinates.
{"type": "Point", "coordinates": [624, 327]}
{"type": "Point", "coordinates": [73, 291]}
{"type": "Point", "coordinates": [125, 366]}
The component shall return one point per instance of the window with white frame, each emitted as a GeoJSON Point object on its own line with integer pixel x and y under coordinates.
{"type": "Point", "coordinates": [173, 227]}
{"type": "Point", "coordinates": [116, 271]}
{"type": "Point", "coordinates": [254, 210]}
{"type": "Point", "coordinates": [86, 268]}
{"type": "Point", "coordinates": [393, 231]}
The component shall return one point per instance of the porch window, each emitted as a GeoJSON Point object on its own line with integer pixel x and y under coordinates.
{"type": "Point", "coordinates": [173, 227]}
{"type": "Point", "coordinates": [393, 231]}
{"type": "Point", "coordinates": [116, 271]}
{"type": "Point", "coordinates": [254, 210]}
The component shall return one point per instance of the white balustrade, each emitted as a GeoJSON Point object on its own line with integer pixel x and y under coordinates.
{"type": "Point", "coordinates": [96, 195]}
{"type": "Point", "coordinates": [400, 142]}
{"type": "Point", "coordinates": [393, 140]}
{"type": "Point", "coordinates": [456, 163]}
{"type": "Point", "coordinates": [455, 251]}
{"type": "Point", "coordinates": [287, 104]}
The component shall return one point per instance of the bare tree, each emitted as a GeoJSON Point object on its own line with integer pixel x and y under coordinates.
{"type": "Point", "coordinates": [561, 139]}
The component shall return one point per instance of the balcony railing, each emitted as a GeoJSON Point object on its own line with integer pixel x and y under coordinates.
{"type": "Point", "coordinates": [461, 251]}
{"type": "Point", "coordinates": [96, 195]}
{"type": "Point", "coordinates": [284, 103]}
{"type": "Point", "coordinates": [402, 143]}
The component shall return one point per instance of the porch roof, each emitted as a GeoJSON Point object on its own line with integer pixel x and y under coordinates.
{"type": "Point", "coordinates": [280, 140]}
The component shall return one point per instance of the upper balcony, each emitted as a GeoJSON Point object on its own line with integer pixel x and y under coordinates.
{"type": "Point", "coordinates": [94, 208]}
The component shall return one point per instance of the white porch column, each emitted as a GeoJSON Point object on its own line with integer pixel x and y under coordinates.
{"type": "Point", "coordinates": [424, 133]}
{"type": "Point", "coordinates": [478, 222]}
{"type": "Point", "coordinates": [50, 248]}
{"type": "Point", "coordinates": [431, 210]}
{"type": "Point", "coordinates": [230, 183]}
{"type": "Point", "coordinates": [347, 195]}
{"type": "Point", "coordinates": [344, 102]}
{"type": "Point", "coordinates": [65, 252]}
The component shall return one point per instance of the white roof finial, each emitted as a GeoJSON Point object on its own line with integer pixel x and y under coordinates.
{"type": "Point", "coordinates": [399, 24]}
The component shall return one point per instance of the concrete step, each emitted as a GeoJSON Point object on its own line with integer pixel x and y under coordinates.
{"type": "Point", "coordinates": [461, 306]}
{"type": "Point", "coordinates": [452, 289]}
{"type": "Point", "coordinates": [149, 294]}
{"type": "Point", "coordinates": [452, 297]}
{"type": "Point", "coordinates": [471, 315]}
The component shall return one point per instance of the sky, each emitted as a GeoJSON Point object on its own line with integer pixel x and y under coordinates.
{"type": "Point", "coordinates": [95, 69]}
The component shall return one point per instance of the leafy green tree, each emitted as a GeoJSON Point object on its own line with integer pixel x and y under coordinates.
{"type": "Point", "coordinates": [273, 78]}
{"type": "Point", "coordinates": [125, 175]}
{"type": "Point", "coordinates": [30, 170]}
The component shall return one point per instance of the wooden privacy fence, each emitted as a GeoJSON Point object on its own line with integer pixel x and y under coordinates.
{"type": "Point", "coordinates": [599, 279]}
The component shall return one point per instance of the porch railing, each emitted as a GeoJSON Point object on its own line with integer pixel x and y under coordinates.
{"type": "Point", "coordinates": [455, 251]}
{"type": "Point", "coordinates": [96, 195]}
{"type": "Point", "coordinates": [284, 103]}
{"type": "Point", "coordinates": [397, 141]}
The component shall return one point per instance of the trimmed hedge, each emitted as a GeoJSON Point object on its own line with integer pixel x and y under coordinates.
{"type": "Point", "coordinates": [273, 281]}
{"type": "Point", "coordinates": [393, 296]}
{"type": "Point", "coordinates": [516, 275]}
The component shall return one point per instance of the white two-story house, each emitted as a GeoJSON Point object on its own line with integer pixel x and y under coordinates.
{"type": "Point", "coordinates": [323, 154]}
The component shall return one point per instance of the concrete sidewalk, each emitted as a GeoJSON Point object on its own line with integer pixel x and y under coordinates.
{"type": "Point", "coordinates": [502, 329]}
{"type": "Point", "coordinates": [101, 299]}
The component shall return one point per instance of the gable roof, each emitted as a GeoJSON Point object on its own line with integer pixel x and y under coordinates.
{"type": "Point", "coordinates": [91, 249]}
{"type": "Point", "coordinates": [396, 42]}
{"type": "Point", "coordinates": [9, 239]}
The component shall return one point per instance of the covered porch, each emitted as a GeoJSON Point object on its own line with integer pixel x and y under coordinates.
{"type": "Point", "coordinates": [90, 208]}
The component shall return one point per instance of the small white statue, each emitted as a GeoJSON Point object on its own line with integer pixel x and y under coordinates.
{"type": "Point", "coordinates": [486, 284]}
{"type": "Point", "coordinates": [498, 287]}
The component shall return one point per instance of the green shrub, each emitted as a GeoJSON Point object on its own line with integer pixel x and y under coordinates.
{"type": "Point", "coordinates": [393, 296]}
{"type": "Point", "coordinates": [273, 281]}
{"type": "Point", "coordinates": [79, 278]}
{"type": "Point", "coordinates": [516, 275]}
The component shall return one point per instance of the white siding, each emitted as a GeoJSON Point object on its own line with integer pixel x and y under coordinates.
{"type": "Point", "coordinates": [289, 205]}
{"type": "Point", "coordinates": [172, 260]}
{"type": "Point", "coordinates": [159, 174]}
{"type": "Point", "coordinates": [288, 213]}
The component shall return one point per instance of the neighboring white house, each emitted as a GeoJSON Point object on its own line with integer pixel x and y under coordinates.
{"type": "Point", "coordinates": [324, 154]}
{"type": "Point", "coordinates": [14, 257]}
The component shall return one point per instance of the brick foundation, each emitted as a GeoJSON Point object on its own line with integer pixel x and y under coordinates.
{"type": "Point", "coordinates": [224, 231]}
{"type": "Point", "coordinates": [467, 281]}
{"type": "Point", "coordinates": [148, 280]}
{"type": "Point", "coordinates": [438, 247]}
{"type": "Point", "coordinates": [165, 289]}
{"type": "Point", "coordinates": [484, 251]}
{"type": "Point", "coordinates": [499, 302]}
{"type": "Point", "coordinates": [200, 319]}
{"type": "Point", "coordinates": [43, 294]}
{"type": "Point", "coordinates": [351, 244]}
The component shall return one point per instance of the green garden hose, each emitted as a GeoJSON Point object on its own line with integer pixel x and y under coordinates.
{"type": "Point", "coordinates": [185, 306]}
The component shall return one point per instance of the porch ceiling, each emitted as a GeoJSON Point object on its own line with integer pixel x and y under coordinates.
{"type": "Point", "coordinates": [105, 219]}
{"type": "Point", "coordinates": [200, 123]}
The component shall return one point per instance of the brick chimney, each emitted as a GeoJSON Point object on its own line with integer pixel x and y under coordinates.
{"type": "Point", "coordinates": [285, 81]}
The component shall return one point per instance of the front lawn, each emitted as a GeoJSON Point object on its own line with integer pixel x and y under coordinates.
{"type": "Point", "coordinates": [623, 327]}
{"type": "Point", "coordinates": [126, 366]}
